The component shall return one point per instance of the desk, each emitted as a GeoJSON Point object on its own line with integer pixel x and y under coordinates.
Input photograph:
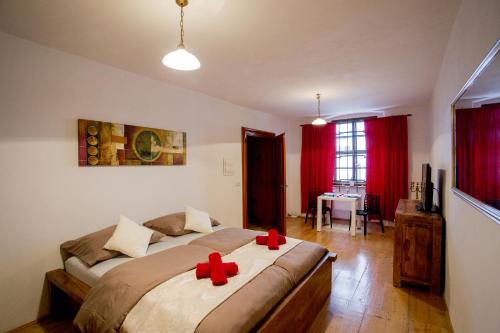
{"type": "Point", "coordinates": [352, 198]}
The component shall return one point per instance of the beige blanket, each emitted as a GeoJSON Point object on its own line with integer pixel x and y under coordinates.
{"type": "Point", "coordinates": [243, 311]}
{"type": "Point", "coordinates": [180, 304]}
{"type": "Point", "coordinates": [119, 290]}
{"type": "Point", "coordinates": [227, 240]}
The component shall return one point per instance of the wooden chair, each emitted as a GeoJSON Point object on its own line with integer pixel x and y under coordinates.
{"type": "Point", "coordinates": [371, 207]}
{"type": "Point", "coordinates": [312, 204]}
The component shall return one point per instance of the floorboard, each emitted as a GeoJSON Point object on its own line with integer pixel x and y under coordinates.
{"type": "Point", "coordinates": [363, 298]}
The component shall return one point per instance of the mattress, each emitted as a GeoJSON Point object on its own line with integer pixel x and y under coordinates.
{"type": "Point", "coordinates": [90, 275]}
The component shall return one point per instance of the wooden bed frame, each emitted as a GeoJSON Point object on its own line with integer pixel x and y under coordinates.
{"type": "Point", "coordinates": [296, 312]}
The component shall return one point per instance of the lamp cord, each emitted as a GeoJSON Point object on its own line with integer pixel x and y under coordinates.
{"type": "Point", "coordinates": [182, 27]}
{"type": "Point", "coordinates": [319, 101]}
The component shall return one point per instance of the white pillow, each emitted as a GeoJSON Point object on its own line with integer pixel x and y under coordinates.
{"type": "Point", "coordinates": [197, 220]}
{"type": "Point", "coordinates": [129, 238]}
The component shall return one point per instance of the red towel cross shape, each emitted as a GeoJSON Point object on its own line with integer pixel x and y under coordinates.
{"type": "Point", "coordinates": [273, 240]}
{"type": "Point", "coordinates": [216, 270]}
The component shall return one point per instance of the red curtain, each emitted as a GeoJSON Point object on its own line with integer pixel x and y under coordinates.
{"type": "Point", "coordinates": [478, 153]}
{"type": "Point", "coordinates": [387, 161]}
{"type": "Point", "coordinates": [317, 163]}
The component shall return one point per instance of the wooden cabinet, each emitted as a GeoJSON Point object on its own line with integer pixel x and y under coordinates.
{"type": "Point", "coordinates": [417, 247]}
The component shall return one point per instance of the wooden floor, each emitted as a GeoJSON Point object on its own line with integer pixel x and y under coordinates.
{"type": "Point", "coordinates": [363, 298]}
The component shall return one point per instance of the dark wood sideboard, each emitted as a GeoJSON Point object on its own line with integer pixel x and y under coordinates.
{"type": "Point", "coordinates": [417, 247]}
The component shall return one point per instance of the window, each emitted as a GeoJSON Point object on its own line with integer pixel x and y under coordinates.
{"type": "Point", "coordinates": [351, 152]}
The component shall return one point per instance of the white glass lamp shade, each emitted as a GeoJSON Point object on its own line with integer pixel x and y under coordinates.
{"type": "Point", "coordinates": [181, 60]}
{"type": "Point", "coordinates": [319, 121]}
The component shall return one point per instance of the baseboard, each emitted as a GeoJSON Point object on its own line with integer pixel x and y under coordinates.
{"type": "Point", "coordinates": [448, 313]}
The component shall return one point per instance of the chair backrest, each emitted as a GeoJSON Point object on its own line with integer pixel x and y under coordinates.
{"type": "Point", "coordinates": [372, 203]}
{"type": "Point", "coordinates": [312, 198]}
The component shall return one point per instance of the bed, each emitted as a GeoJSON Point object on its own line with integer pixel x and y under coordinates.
{"type": "Point", "coordinates": [285, 295]}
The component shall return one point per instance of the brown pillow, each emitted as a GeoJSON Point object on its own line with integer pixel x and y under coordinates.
{"type": "Point", "coordinates": [89, 248]}
{"type": "Point", "coordinates": [172, 224]}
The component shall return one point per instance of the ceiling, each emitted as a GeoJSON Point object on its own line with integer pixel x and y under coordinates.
{"type": "Point", "coordinates": [273, 56]}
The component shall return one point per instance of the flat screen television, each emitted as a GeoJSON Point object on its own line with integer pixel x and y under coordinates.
{"type": "Point", "coordinates": [427, 188]}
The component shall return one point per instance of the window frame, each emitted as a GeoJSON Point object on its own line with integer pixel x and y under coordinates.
{"type": "Point", "coordinates": [354, 152]}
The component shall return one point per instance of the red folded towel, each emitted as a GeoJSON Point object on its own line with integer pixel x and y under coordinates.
{"type": "Point", "coordinates": [272, 239]}
{"type": "Point", "coordinates": [217, 274]}
{"type": "Point", "coordinates": [262, 240]}
{"type": "Point", "coordinates": [203, 269]}
{"type": "Point", "coordinates": [231, 268]}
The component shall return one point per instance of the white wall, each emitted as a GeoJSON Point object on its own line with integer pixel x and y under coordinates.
{"type": "Point", "coordinates": [472, 288]}
{"type": "Point", "coordinates": [293, 151]}
{"type": "Point", "coordinates": [47, 199]}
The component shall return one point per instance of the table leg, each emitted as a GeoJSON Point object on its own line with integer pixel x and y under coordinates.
{"type": "Point", "coordinates": [353, 218]}
{"type": "Point", "coordinates": [319, 210]}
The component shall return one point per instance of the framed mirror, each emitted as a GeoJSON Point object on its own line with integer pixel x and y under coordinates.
{"type": "Point", "coordinates": [476, 138]}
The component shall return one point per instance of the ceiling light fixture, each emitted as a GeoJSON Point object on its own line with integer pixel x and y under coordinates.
{"type": "Point", "coordinates": [181, 59]}
{"type": "Point", "coordinates": [319, 120]}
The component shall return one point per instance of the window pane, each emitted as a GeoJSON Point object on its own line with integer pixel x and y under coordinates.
{"type": "Point", "coordinates": [343, 143]}
{"type": "Point", "coordinates": [345, 161]}
{"type": "Point", "coordinates": [342, 174]}
{"type": "Point", "coordinates": [349, 174]}
{"type": "Point", "coordinates": [361, 143]}
{"type": "Point", "coordinates": [349, 127]}
{"type": "Point", "coordinates": [360, 126]}
{"type": "Point", "coordinates": [361, 161]}
{"type": "Point", "coordinates": [361, 174]}
{"type": "Point", "coordinates": [342, 163]}
{"type": "Point", "coordinates": [343, 127]}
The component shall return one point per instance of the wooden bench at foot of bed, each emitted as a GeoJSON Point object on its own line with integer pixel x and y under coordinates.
{"type": "Point", "coordinates": [296, 312]}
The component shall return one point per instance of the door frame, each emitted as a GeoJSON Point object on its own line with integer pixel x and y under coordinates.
{"type": "Point", "coordinates": [282, 187]}
{"type": "Point", "coordinates": [246, 132]}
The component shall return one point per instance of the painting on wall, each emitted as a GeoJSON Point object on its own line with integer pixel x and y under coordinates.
{"type": "Point", "coordinates": [109, 144]}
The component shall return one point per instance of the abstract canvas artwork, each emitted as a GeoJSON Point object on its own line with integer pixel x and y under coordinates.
{"type": "Point", "coordinates": [103, 144]}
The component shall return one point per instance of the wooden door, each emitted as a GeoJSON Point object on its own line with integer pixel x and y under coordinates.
{"type": "Point", "coordinates": [416, 259]}
{"type": "Point", "coordinates": [277, 163]}
{"type": "Point", "coordinates": [246, 133]}
{"type": "Point", "coordinates": [280, 183]}
{"type": "Point", "coordinates": [261, 194]}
